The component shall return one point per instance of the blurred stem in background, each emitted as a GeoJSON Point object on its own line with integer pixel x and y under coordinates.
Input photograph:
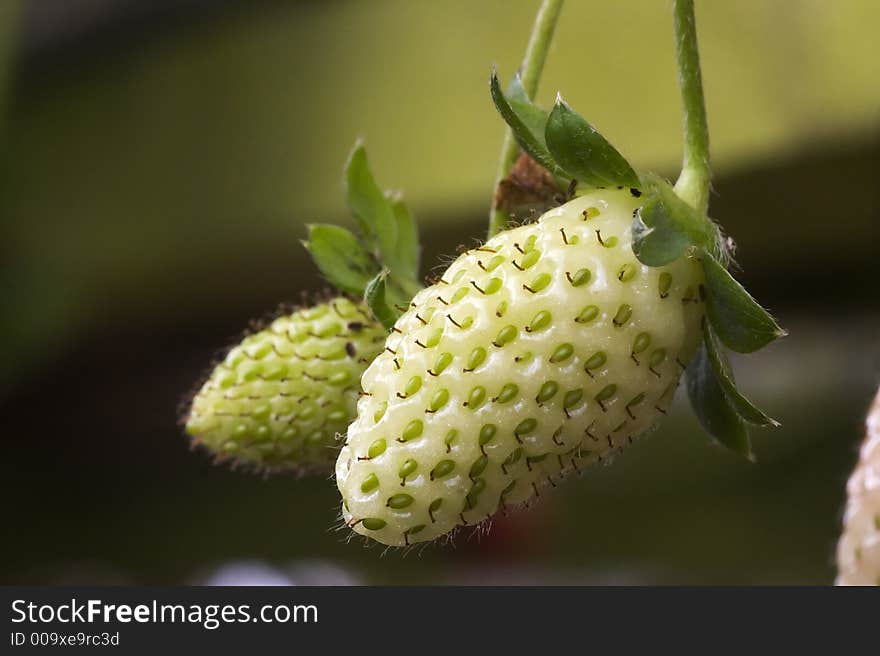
{"type": "Point", "coordinates": [693, 183]}
{"type": "Point", "coordinates": [530, 74]}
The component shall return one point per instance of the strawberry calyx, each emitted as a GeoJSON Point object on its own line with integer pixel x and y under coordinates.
{"type": "Point", "coordinates": [382, 254]}
{"type": "Point", "coordinates": [665, 228]}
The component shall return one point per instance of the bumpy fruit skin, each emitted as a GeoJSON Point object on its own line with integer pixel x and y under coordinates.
{"type": "Point", "coordinates": [280, 397]}
{"type": "Point", "coordinates": [546, 349]}
{"type": "Point", "coordinates": [858, 552]}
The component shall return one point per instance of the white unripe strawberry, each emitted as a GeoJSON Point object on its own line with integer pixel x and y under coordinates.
{"type": "Point", "coordinates": [279, 398]}
{"type": "Point", "coordinates": [545, 350]}
{"type": "Point", "coordinates": [858, 552]}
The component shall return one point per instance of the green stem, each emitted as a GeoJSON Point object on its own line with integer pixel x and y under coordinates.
{"type": "Point", "coordinates": [693, 183]}
{"type": "Point", "coordinates": [530, 74]}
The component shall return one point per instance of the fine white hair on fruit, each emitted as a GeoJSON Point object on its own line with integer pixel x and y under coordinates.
{"type": "Point", "coordinates": [858, 551]}
{"type": "Point", "coordinates": [546, 349]}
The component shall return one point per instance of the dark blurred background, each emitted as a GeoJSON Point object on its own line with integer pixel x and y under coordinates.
{"type": "Point", "coordinates": [160, 159]}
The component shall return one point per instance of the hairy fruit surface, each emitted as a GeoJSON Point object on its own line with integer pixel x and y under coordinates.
{"type": "Point", "coordinates": [543, 351]}
{"type": "Point", "coordinates": [279, 398]}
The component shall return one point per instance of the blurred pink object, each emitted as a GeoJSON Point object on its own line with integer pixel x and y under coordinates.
{"type": "Point", "coordinates": [858, 552]}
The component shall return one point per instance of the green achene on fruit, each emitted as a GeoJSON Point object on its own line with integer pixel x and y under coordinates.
{"type": "Point", "coordinates": [278, 400]}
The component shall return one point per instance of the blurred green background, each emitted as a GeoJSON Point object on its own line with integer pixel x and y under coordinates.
{"type": "Point", "coordinates": [160, 160]}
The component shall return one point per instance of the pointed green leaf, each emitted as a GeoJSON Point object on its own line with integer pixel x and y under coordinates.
{"type": "Point", "coordinates": [527, 123]}
{"type": "Point", "coordinates": [582, 152]}
{"type": "Point", "coordinates": [724, 375]}
{"type": "Point", "coordinates": [341, 257]}
{"type": "Point", "coordinates": [370, 206]}
{"type": "Point", "coordinates": [534, 118]}
{"type": "Point", "coordinates": [375, 298]}
{"type": "Point", "coordinates": [408, 250]}
{"type": "Point", "coordinates": [712, 408]}
{"type": "Point", "coordinates": [739, 321]}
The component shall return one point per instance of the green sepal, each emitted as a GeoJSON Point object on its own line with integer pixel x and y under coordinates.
{"type": "Point", "coordinates": [534, 118]}
{"type": "Point", "coordinates": [341, 257]}
{"type": "Point", "coordinates": [376, 299]}
{"type": "Point", "coordinates": [656, 238]}
{"type": "Point", "coordinates": [516, 93]}
{"type": "Point", "coordinates": [712, 408]}
{"type": "Point", "coordinates": [746, 410]}
{"type": "Point", "coordinates": [583, 153]}
{"type": "Point", "coordinates": [665, 226]}
{"type": "Point", "coordinates": [526, 120]}
{"type": "Point", "coordinates": [408, 251]}
{"type": "Point", "coordinates": [740, 322]}
{"type": "Point", "coordinates": [371, 208]}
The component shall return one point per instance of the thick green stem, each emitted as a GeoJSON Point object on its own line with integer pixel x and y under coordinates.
{"type": "Point", "coordinates": [530, 73]}
{"type": "Point", "coordinates": [693, 183]}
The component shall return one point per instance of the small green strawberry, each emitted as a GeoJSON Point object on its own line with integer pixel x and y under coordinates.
{"type": "Point", "coordinates": [279, 398]}
{"type": "Point", "coordinates": [858, 552]}
{"type": "Point", "coordinates": [546, 349]}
